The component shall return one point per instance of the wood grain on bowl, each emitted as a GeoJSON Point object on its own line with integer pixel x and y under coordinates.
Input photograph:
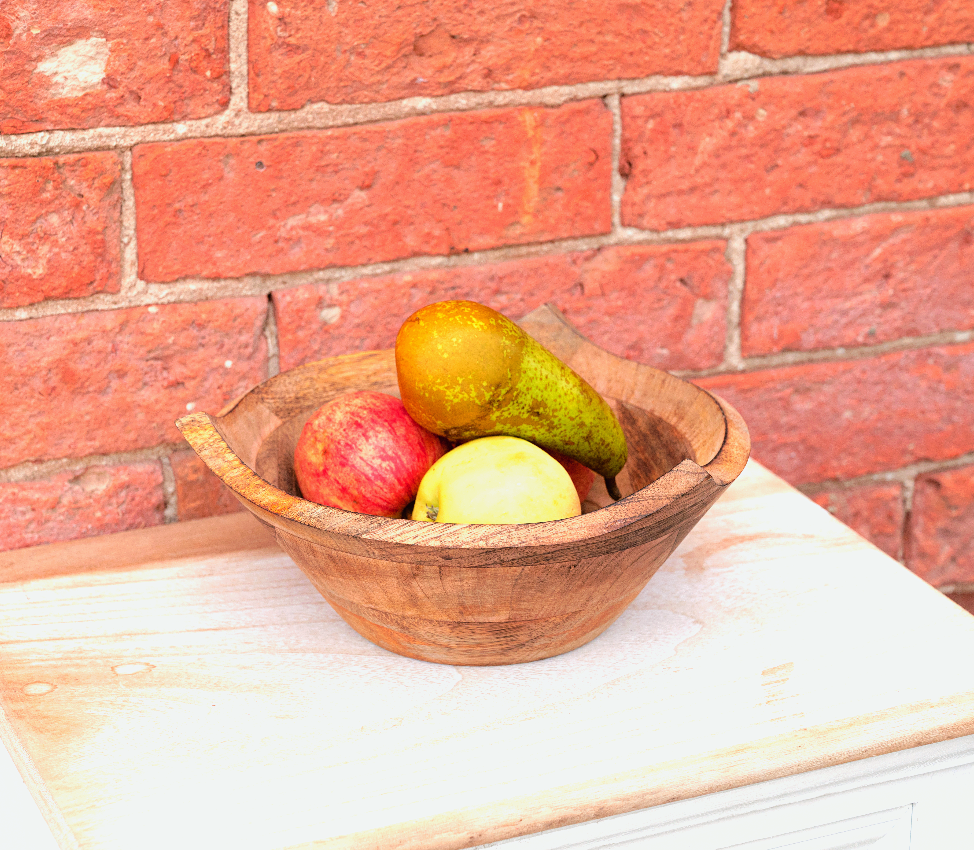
{"type": "Point", "coordinates": [484, 594]}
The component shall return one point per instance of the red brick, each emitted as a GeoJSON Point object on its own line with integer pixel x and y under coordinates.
{"type": "Point", "coordinates": [71, 65]}
{"type": "Point", "coordinates": [871, 279]}
{"type": "Point", "coordinates": [664, 305]}
{"type": "Point", "coordinates": [440, 184]}
{"type": "Point", "coordinates": [117, 380]}
{"type": "Point", "coordinates": [889, 132]}
{"type": "Point", "coordinates": [965, 600]}
{"type": "Point", "coordinates": [81, 503]}
{"type": "Point", "coordinates": [59, 227]}
{"type": "Point", "coordinates": [940, 535]}
{"type": "Point", "coordinates": [820, 421]}
{"type": "Point", "coordinates": [199, 493]}
{"type": "Point", "coordinates": [873, 510]}
{"type": "Point", "coordinates": [809, 27]}
{"type": "Point", "coordinates": [358, 53]}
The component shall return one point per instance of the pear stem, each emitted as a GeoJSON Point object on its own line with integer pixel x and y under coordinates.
{"type": "Point", "coordinates": [613, 488]}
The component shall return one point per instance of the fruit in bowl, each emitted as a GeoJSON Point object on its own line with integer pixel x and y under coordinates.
{"type": "Point", "coordinates": [582, 477]}
{"type": "Point", "coordinates": [496, 480]}
{"type": "Point", "coordinates": [466, 371]}
{"type": "Point", "coordinates": [363, 452]}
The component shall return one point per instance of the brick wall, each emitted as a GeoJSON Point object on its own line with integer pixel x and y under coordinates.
{"type": "Point", "coordinates": [773, 199]}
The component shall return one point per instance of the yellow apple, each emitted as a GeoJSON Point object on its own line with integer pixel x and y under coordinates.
{"type": "Point", "coordinates": [496, 480]}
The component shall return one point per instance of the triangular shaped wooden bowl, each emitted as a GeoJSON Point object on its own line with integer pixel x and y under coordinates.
{"type": "Point", "coordinates": [484, 594]}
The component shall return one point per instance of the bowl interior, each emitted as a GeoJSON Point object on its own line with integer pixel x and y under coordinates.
{"type": "Point", "coordinates": [685, 445]}
{"type": "Point", "coordinates": [655, 447]}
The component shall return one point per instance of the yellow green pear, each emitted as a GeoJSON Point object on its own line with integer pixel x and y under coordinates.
{"type": "Point", "coordinates": [496, 480]}
{"type": "Point", "coordinates": [465, 371]}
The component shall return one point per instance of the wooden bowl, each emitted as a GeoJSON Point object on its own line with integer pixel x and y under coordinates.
{"type": "Point", "coordinates": [484, 594]}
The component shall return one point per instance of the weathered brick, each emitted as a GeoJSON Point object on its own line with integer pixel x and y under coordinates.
{"type": "Point", "coordinates": [809, 27]}
{"type": "Point", "coordinates": [60, 220]}
{"type": "Point", "coordinates": [965, 600]}
{"type": "Point", "coordinates": [663, 305]}
{"type": "Point", "coordinates": [871, 279]}
{"type": "Point", "coordinates": [71, 65]}
{"type": "Point", "coordinates": [820, 421]}
{"type": "Point", "coordinates": [199, 493]}
{"type": "Point", "coordinates": [99, 382]}
{"type": "Point", "coordinates": [81, 503]}
{"type": "Point", "coordinates": [441, 184]}
{"type": "Point", "coordinates": [890, 132]}
{"type": "Point", "coordinates": [354, 53]}
{"type": "Point", "coordinates": [940, 534]}
{"type": "Point", "coordinates": [873, 510]}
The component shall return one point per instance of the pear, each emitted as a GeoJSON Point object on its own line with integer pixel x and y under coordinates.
{"type": "Point", "coordinates": [465, 371]}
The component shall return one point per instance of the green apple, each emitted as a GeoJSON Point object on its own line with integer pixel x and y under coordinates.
{"type": "Point", "coordinates": [496, 480]}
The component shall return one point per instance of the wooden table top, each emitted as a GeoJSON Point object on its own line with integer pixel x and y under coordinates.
{"type": "Point", "coordinates": [185, 686]}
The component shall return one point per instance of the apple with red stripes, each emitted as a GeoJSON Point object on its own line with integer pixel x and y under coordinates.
{"type": "Point", "coordinates": [363, 452]}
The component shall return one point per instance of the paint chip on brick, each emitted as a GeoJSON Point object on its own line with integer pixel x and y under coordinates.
{"type": "Point", "coordinates": [72, 65]}
{"type": "Point", "coordinates": [77, 68]}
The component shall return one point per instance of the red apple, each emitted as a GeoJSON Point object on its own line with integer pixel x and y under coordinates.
{"type": "Point", "coordinates": [363, 452]}
{"type": "Point", "coordinates": [582, 477]}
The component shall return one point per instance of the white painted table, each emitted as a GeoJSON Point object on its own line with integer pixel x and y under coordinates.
{"type": "Point", "coordinates": [779, 683]}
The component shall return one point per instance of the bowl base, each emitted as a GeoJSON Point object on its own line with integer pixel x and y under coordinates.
{"type": "Point", "coordinates": [487, 644]}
